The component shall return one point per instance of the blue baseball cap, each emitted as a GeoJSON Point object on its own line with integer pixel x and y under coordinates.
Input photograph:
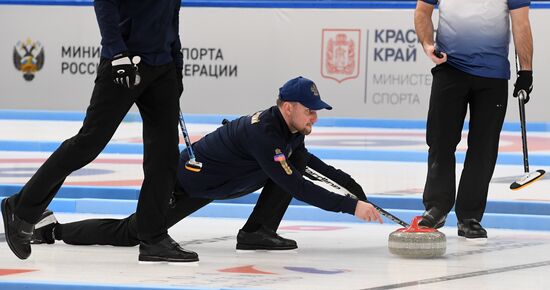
{"type": "Point", "coordinates": [304, 91]}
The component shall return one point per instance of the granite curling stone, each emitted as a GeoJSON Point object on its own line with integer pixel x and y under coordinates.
{"type": "Point", "coordinates": [417, 242]}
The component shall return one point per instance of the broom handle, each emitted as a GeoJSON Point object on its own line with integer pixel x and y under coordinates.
{"type": "Point", "coordinates": [317, 176]}
{"type": "Point", "coordinates": [521, 100]}
{"type": "Point", "coordinates": [185, 134]}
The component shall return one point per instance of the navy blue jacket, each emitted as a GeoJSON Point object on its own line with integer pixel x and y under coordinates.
{"type": "Point", "coordinates": [148, 28]}
{"type": "Point", "coordinates": [239, 158]}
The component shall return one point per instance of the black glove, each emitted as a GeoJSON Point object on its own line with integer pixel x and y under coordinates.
{"type": "Point", "coordinates": [524, 82]}
{"type": "Point", "coordinates": [179, 79]}
{"type": "Point", "coordinates": [356, 190]}
{"type": "Point", "coordinates": [125, 71]}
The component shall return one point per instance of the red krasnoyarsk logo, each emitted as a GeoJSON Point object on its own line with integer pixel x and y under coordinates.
{"type": "Point", "coordinates": [340, 54]}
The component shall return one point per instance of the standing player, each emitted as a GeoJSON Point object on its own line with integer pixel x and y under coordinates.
{"type": "Point", "coordinates": [472, 71]}
{"type": "Point", "coordinates": [141, 63]}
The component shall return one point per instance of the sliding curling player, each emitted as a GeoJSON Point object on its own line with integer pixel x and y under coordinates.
{"type": "Point", "coordinates": [265, 149]}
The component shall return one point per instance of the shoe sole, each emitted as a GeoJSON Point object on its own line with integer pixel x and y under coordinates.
{"type": "Point", "coordinates": [156, 259]}
{"type": "Point", "coordinates": [480, 240]}
{"type": "Point", "coordinates": [193, 264]}
{"type": "Point", "coordinates": [276, 252]}
{"type": "Point", "coordinates": [6, 231]}
{"type": "Point", "coordinates": [246, 247]}
{"type": "Point", "coordinates": [437, 226]}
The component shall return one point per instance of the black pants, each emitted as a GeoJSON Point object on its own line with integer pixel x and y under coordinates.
{"type": "Point", "coordinates": [158, 103]}
{"type": "Point", "coordinates": [269, 212]}
{"type": "Point", "coordinates": [453, 91]}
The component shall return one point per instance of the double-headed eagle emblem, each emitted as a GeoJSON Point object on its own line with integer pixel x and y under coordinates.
{"type": "Point", "coordinates": [28, 57]}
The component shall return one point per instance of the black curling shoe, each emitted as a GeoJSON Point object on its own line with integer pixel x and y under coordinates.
{"type": "Point", "coordinates": [264, 239]}
{"type": "Point", "coordinates": [433, 218]}
{"type": "Point", "coordinates": [167, 250]}
{"type": "Point", "coordinates": [471, 229]}
{"type": "Point", "coordinates": [18, 232]}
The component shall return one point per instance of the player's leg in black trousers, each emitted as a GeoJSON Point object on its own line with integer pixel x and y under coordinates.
{"type": "Point", "coordinates": [122, 232]}
{"type": "Point", "coordinates": [260, 230]}
{"type": "Point", "coordinates": [108, 106]}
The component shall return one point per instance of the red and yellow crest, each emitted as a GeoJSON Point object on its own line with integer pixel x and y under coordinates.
{"type": "Point", "coordinates": [340, 54]}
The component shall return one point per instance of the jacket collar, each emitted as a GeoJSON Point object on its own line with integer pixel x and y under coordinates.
{"type": "Point", "coordinates": [281, 124]}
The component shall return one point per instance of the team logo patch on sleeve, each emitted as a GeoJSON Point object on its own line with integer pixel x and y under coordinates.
{"type": "Point", "coordinates": [280, 157]}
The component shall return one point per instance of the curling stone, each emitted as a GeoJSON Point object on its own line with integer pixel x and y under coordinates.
{"type": "Point", "coordinates": [417, 242]}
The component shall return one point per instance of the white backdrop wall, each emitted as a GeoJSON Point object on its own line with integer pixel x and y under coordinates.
{"type": "Point", "coordinates": [366, 62]}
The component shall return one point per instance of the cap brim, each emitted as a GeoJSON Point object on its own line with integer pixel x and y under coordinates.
{"type": "Point", "coordinates": [318, 105]}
